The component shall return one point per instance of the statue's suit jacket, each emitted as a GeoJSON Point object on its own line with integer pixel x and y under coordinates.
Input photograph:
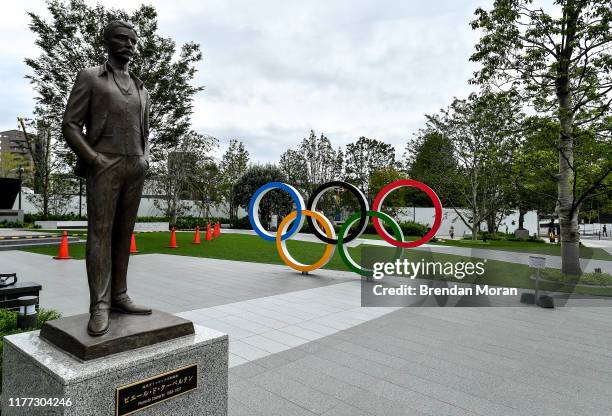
{"type": "Point", "coordinates": [88, 105]}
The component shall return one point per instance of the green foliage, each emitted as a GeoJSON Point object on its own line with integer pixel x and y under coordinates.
{"type": "Point", "coordinates": [10, 163]}
{"type": "Point", "coordinates": [313, 163]}
{"type": "Point", "coordinates": [179, 174]}
{"type": "Point", "coordinates": [274, 202]}
{"type": "Point", "coordinates": [596, 279]}
{"type": "Point", "coordinates": [429, 158]}
{"type": "Point", "coordinates": [558, 57]}
{"type": "Point", "coordinates": [465, 155]}
{"type": "Point", "coordinates": [187, 222]}
{"type": "Point", "coordinates": [233, 165]}
{"type": "Point", "coordinates": [409, 228]}
{"type": "Point", "coordinates": [402, 197]}
{"type": "Point", "coordinates": [242, 223]}
{"type": "Point", "coordinates": [72, 40]}
{"type": "Point", "coordinates": [29, 218]}
{"type": "Point", "coordinates": [204, 183]}
{"type": "Point", "coordinates": [8, 325]}
{"type": "Point", "coordinates": [532, 185]}
{"type": "Point", "coordinates": [364, 157]}
{"type": "Point", "coordinates": [10, 224]}
{"type": "Point", "coordinates": [497, 236]}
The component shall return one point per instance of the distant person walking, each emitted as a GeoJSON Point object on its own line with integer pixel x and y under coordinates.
{"type": "Point", "coordinates": [551, 234]}
{"type": "Point", "coordinates": [605, 231]}
{"type": "Point", "coordinates": [452, 232]}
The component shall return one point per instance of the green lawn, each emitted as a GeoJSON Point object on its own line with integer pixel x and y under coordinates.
{"type": "Point", "coordinates": [529, 247]}
{"type": "Point", "coordinates": [520, 246]}
{"type": "Point", "coordinates": [503, 245]}
{"type": "Point", "coordinates": [254, 249]}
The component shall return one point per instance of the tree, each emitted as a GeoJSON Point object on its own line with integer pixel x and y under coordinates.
{"type": "Point", "coordinates": [72, 40]}
{"type": "Point", "coordinates": [175, 177]}
{"type": "Point", "coordinates": [274, 202]}
{"type": "Point", "coordinates": [364, 157]}
{"type": "Point", "coordinates": [534, 161]}
{"type": "Point", "coordinates": [399, 198]}
{"type": "Point", "coordinates": [293, 165]}
{"type": "Point", "coordinates": [204, 182]}
{"type": "Point", "coordinates": [56, 201]}
{"type": "Point", "coordinates": [313, 163]}
{"type": "Point", "coordinates": [482, 131]}
{"type": "Point", "coordinates": [11, 162]}
{"type": "Point", "coordinates": [233, 165]}
{"type": "Point", "coordinates": [43, 150]}
{"type": "Point", "coordinates": [560, 60]}
{"type": "Point", "coordinates": [429, 159]}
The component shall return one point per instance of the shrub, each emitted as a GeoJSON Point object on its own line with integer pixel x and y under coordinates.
{"type": "Point", "coordinates": [596, 279]}
{"type": "Point", "coordinates": [8, 325]}
{"type": "Point", "coordinates": [242, 223]}
{"type": "Point", "coordinates": [409, 228]}
{"type": "Point", "coordinates": [11, 224]}
{"type": "Point", "coordinates": [30, 218]}
{"type": "Point", "coordinates": [185, 223]}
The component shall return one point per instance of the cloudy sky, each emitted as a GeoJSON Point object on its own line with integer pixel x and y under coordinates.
{"type": "Point", "coordinates": [273, 70]}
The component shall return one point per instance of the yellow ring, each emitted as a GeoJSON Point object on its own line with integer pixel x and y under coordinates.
{"type": "Point", "coordinates": [282, 247]}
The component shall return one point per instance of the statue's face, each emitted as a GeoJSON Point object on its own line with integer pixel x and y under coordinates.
{"type": "Point", "coordinates": [122, 43]}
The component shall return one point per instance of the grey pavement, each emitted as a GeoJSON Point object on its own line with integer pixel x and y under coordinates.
{"type": "Point", "coordinates": [302, 345]}
{"type": "Point", "coordinates": [605, 243]}
{"type": "Point", "coordinates": [271, 324]}
{"type": "Point", "coordinates": [9, 232]}
{"type": "Point", "coordinates": [166, 282]}
{"type": "Point", "coordinates": [440, 361]}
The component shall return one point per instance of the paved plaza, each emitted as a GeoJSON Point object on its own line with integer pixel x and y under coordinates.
{"type": "Point", "coordinates": [302, 345]}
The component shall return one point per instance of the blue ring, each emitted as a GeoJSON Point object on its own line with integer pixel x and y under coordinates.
{"type": "Point", "coordinates": [254, 200]}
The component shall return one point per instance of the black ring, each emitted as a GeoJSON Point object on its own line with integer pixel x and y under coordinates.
{"type": "Point", "coordinates": [363, 206]}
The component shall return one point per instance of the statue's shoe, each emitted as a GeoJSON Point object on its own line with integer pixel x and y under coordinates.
{"type": "Point", "coordinates": [98, 323]}
{"type": "Point", "coordinates": [125, 305]}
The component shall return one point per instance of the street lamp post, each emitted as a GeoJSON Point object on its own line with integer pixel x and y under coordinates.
{"type": "Point", "coordinates": [20, 171]}
{"type": "Point", "coordinates": [80, 197]}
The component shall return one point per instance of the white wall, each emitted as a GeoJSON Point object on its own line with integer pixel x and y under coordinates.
{"type": "Point", "coordinates": [421, 215]}
{"type": "Point", "coordinates": [450, 218]}
{"type": "Point", "coordinates": [146, 209]}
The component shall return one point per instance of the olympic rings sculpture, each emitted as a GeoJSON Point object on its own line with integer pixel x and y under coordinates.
{"type": "Point", "coordinates": [294, 221]}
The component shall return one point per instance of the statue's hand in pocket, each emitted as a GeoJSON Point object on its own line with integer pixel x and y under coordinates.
{"type": "Point", "coordinates": [102, 162]}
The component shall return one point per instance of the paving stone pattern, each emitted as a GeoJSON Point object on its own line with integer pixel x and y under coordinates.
{"type": "Point", "coordinates": [301, 345]}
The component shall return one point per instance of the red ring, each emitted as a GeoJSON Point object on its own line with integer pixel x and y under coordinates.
{"type": "Point", "coordinates": [416, 184]}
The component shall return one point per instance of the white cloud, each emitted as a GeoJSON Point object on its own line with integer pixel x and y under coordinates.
{"type": "Point", "coordinates": [275, 69]}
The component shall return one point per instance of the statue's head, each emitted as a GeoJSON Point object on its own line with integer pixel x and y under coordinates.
{"type": "Point", "coordinates": [120, 40]}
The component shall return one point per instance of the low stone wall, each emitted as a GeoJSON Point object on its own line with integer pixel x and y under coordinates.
{"type": "Point", "coordinates": [139, 227]}
{"type": "Point", "coordinates": [11, 215]}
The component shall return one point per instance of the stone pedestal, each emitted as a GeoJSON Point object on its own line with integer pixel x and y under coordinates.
{"type": "Point", "coordinates": [160, 379]}
{"type": "Point", "coordinates": [521, 233]}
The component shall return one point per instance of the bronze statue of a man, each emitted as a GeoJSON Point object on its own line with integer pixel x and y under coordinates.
{"type": "Point", "coordinates": [113, 105]}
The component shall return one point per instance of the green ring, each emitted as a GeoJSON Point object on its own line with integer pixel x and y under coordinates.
{"type": "Point", "coordinates": [350, 263]}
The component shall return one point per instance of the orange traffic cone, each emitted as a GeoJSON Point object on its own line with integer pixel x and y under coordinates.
{"type": "Point", "coordinates": [196, 239]}
{"type": "Point", "coordinates": [208, 233]}
{"type": "Point", "coordinates": [173, 239]}
{"type": "Point", "coordinates": [63, 250]}
{"type": "Point", "coordinates": [217, 231]}
{"type": "Point", "coordinates": [133, 249]}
